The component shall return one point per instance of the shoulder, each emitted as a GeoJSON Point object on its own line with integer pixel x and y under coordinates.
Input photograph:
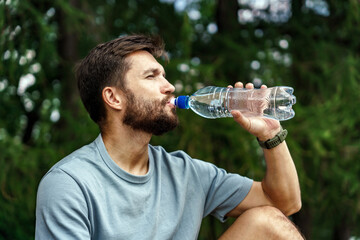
{"type": "Point", "coordinates": [159, 151]}
{"type": "Point", "coordinates": [61, 200]}
{"type": "Point", "coordinates": [56, 182]}
{"type": "Point", "coordinates": [83, 154]}
{"type": "Point", "coordinates": [63, 184]}
{"type": "Point", "coordinates": [176, 157]}
{"type": "Point", "coordinates": [76, 163]}
{"type": "Point", "coordinates": [70, 173]}
{"type": "Point", "coordinates": [180, 159]}
{"type": "Point", "coordinates": [58, 191]}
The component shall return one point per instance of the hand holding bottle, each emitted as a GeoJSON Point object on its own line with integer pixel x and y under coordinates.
{"type": "Point", "coordinates": [257, 110]}
{"type": "Point", "coordinates": [262, 128]}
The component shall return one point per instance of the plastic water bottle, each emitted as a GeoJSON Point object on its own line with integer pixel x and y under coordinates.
{"type": "Point", "coordinates": [218, 102]}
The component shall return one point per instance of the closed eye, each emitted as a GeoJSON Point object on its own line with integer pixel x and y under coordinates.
{"type": "Point", "coordinates": [153, 73]}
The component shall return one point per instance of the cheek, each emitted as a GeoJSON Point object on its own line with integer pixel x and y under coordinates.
{"type": "Point", "coordinates": [146, 87]}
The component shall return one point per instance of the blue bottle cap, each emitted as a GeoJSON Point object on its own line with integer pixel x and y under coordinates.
{"type": "Point", "coordinates": [182, 102]}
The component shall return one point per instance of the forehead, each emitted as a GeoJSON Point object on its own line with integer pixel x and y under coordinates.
{"type": "Point", "coordinates": [140, 61]}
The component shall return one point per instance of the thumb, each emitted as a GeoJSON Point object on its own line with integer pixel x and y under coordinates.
{"type": "Point", "coordinates": [240, 119]}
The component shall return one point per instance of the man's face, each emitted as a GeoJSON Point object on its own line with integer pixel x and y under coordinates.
{"type": "Point", "coordinates": [149, 115]}
{"type": "Point", "coordinates": [148, 95]}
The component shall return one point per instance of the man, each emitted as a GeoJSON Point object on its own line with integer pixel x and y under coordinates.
{"type": "Point", "coordinates": [120, 187]}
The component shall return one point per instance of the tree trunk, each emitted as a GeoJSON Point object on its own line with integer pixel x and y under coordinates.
{"type": "Point", "coordinates": [226, 16]}
{"type": "Point", "coordinates": [68, 51]}
{"type": "Point", "coordinates": [342, 231]}
{"type": "Point", "coordinates": [32, 118]}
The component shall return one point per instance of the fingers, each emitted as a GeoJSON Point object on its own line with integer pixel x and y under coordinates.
{"type": "Point", "coordinates": [239, 85]}
{"type": "Point", "coordinates": [247, 86]}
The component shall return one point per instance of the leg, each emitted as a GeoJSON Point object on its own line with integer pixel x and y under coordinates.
{"type": "Point", "coordinates": [262, 223]}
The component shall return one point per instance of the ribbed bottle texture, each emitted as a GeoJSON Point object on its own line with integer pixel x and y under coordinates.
{"type": "Point", "coordinates": [218, 102]}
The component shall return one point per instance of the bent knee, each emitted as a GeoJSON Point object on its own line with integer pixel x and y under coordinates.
{"type": "Point", "coordinates": [264, 214]}
{"type": "Point", "coordinates": [271, 222]}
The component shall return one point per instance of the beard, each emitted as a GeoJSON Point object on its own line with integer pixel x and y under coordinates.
{"type": "Point", "coordinates": [149, 115]}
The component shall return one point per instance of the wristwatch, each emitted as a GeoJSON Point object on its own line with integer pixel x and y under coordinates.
{"type": "Point", "coordinates": [275, 141]}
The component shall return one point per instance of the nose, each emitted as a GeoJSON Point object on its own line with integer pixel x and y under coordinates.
{"type": "Point", "coordinates": [167, 88]}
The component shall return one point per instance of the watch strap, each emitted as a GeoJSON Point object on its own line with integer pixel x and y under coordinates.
{"type": "Point", "coordinates": [275, 141]}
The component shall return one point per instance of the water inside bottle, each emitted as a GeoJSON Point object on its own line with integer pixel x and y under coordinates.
{"type": "Point", "coordinates": [216, 102]}
{"type": "Point", "coordinates": [208, 107]}
{"type": "Point", "coordinates": [250, 103]}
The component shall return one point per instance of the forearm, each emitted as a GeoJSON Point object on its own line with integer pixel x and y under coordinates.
{"type": "Point", "coordinates": [281, 182]}
{"type": "Point", "coordinates": [280, 186]}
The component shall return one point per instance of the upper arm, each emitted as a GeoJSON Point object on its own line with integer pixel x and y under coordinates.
{"type": "Point", "coordinates": [61, 210]}
{"type": "Point", "coordinates": [255, 198]}
{"type": "Point", "coordinates": [222, 190]}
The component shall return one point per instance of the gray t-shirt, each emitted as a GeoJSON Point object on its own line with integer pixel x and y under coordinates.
{"type": "Point", "coordinates": [87, 196]}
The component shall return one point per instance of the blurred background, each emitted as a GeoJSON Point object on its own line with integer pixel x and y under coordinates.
{"type": "Point", "coordinates": [310, 45]}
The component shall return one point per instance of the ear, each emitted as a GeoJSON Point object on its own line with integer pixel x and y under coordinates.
{"type": "Point", "coordinates": [112, 97]}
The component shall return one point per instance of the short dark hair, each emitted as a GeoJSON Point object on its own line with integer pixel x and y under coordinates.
{"type": "Point", "coordinates": [106, 65]}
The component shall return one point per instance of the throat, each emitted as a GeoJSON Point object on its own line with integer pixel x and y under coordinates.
{"type": "Point", "coordinates": [136, 167]}
{"type": "Point", "coordinates": [131, 156]}
{"type": "Point", "coordinates": [135, 163]}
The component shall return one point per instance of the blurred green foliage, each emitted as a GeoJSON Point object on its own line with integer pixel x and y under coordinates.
{"type": "Point", "coordinates": [310, 45]}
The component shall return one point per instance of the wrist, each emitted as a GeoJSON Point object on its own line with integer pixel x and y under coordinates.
{"type": "Point", "coordinates": [269, 134]}
{"type": "Point", "coordinates": [274, 141]}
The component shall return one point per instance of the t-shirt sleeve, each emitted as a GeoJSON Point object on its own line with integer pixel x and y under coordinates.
{"type": "Point", "coordinates": [61, 210]}
{"type": "Point", "coordinates": [224, 191]}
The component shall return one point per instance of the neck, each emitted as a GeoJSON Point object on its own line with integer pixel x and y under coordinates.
{"type": "Point", "coordinates": [128, 148]}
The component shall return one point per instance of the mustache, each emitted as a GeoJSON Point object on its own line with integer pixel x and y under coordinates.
{"type": "Point", "coordinates": [167, 99]}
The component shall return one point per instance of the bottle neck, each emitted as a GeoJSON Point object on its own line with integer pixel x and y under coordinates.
{"type": "Point", "coordinates": [181, 102]}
